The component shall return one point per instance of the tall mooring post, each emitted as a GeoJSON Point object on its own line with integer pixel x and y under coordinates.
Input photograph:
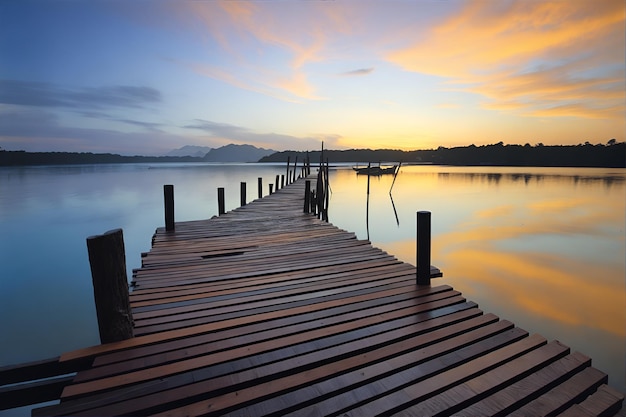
{"type": "Point", "coordinates": [110, 286]}
{"type": "Point", "coordinates": [221, 205]}
{"type": "Point", "coordinates": [260, 187]}
{"type": "Point", "coordinates": [423, 248]}
{"type": "Point", "coordinates": [168, 198]}
{"type": "Point", "coordinates": [242, 198]}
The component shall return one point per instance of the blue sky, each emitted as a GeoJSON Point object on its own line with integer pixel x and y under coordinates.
{"type": "Point", "coordinates": [145, 77]}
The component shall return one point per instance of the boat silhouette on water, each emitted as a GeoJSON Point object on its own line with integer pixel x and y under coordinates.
{"type": "Point", "coordinates": [375, 171]}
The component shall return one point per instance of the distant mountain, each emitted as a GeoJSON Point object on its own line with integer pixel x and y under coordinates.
{"type": "Point", "coordinates": [190, 150]}
{"type": "Point", "coordinates": [237, 153]}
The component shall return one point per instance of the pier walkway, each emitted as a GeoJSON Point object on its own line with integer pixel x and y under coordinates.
{"type": "Point", "coordinates": [268, 311]}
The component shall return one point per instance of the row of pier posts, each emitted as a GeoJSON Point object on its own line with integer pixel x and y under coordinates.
{"type": "Point", "coordinates": [108, 263]}
{"type": "Point", "coordinates": [280, 182]}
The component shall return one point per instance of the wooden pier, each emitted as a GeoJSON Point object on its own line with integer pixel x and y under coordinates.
{"type": "Point", "coordinates": [266, 310]}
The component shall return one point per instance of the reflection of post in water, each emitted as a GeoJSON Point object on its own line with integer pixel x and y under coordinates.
{"type": "Point", "coordinates": [394, 209]}
{"type": "Point", "coordinates": [367, 204]}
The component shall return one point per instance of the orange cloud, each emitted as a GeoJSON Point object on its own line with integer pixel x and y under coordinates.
{"type": "Point", "coordinates": [247, 32]}
{"type": "Point", "coordinates": [549, 58]}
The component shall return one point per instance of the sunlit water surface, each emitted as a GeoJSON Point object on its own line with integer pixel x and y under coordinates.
{"type": "Point", "coordinates": [542, 247]}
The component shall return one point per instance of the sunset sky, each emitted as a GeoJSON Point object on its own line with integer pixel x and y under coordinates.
{"type": "Point", "coordinates": [146, 77]}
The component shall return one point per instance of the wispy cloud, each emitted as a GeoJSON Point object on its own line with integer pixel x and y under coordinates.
{"type": "Point", "coordinates": [31, 93]}
{"type": "Point", "coordinates": [38, 129]}
{"type": "Point", "coordinates": [358, 72]}
{"type": "Point", "coordinates": [549, 58]}
{"type": "Point", "coordinates": [262, 48]}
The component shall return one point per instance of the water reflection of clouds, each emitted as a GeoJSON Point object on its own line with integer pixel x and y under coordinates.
{"type": "Point", "coordinates": [573, 291]}
{"type": "Point", "coordinates": [569, 292]}
{"type": "Point", "coordinates": [544, 257]}
{"type": "Point", "coordinates": [552, 286]}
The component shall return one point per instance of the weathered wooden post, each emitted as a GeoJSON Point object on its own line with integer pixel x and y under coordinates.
{"type": "Point", "coordinates": [260, 186]}
{"type": "Point", "coordinates": [221, 207]}
{"type": "Point", "coordinates": [295, 166]}
{"type": "Point", "coordinates": [307, 196]}
{"type": "Point", "coordinates": [423, 248]}
{"type": "Point", "coordinates": [110, 286]}
{"type": "Point", "coordinates": [243, 194]}
{"type": "Point", "coordinates": [277, 182]}
{"type": "Point", "coordinates": [307, 164]}
{"type": "Point", "coordinates": [168, 198]}
{"type": "Point", "coordinates": [282, 180]}
{"type": "Point", "coordinates": [271, 186]}
{"type": "Point", "coordinates": [326, 193]}
{"type": "Point", "coordinates": [288, 161]}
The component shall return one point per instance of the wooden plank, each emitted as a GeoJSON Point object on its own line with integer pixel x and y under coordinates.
{"type": "Point", "coordinates": [422, 390]}
{"type": "Point", "coordinates": [271, 284]}
{"type": "Point", "coordinates": [327, 361]}
{"type": "Point", "coordinates": [223, 403]}
{"type": "Point", "coordinates": [29, 393]}
{"type": "Point", "coordinates": [606, 401]}
{"type": "Point", "coordinates": [217, 357]}
{"type": "Point", "coordinates": [461, 395]}
{"type": "Point", "coordinates": [255, 298]}
{"type": "Point", "coordinates": [331, 396]}
{"type": "Point", "coordinates": [562, 397]}
{"type": "Point", "coordinates": [359, 308]}
{"type": "Point", "coordinates": [577, 411]}
{"type": "Point", "coordinates": [249, 314]}
{"type": "Point", "coordinates": [184, 351]}
{"type": "Point", "coordinates": [90, 352]}
{"type": "Point", "coordinates": [529, 388]}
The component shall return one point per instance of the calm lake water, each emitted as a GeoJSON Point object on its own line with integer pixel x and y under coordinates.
{"type": "Point", "coordinates": [542, 247]}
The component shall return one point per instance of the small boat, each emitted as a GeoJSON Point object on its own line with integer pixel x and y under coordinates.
{"type": "Point", "coordinates": [375, 170]}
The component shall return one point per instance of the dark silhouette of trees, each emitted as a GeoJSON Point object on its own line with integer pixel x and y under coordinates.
{"type": "Point", "coordinates": [16, 158]}
{"type": "Point", "coordinates": [611, 155]}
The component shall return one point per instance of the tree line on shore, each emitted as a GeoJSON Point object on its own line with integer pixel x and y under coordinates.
{"type": "Point", "coordinates": [612, 154]}
{"type": "Point", "coordinates": [17, 158]}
